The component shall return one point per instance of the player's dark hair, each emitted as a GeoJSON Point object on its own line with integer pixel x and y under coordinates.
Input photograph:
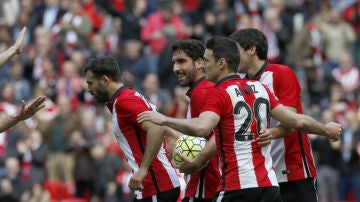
{"type": "Point", "coordinates": [191, 47]}
{"type": "Point", "coordinates": [250, 37]}
{"type": "Point", "coordinates": [226, 48]}
{"type": "Point", "coordinates": [104, 66]}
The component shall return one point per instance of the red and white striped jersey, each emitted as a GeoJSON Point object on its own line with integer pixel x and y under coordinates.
{"type": "Point", "coordinates": [244, 108]}
{"type": "Point", "coordinates": [125, 105]}
{"type": "Point", "coordinates": [292, 155]}
{"type": "Point", "coordinates": [202, 184]}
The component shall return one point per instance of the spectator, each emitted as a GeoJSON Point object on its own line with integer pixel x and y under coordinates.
{"type": "Point", "coordinates": [57, 133]}
{"type": "Point", "coordinates": [13, 173]}
{"type": "Point", "coordinates": [36, 193]}
{"type": "Point", "coordinates": [105, 167]}
{"type": "Point", "coordinates": [133, 19]}
{"type": "Point", "coordinates": [161, 98]}
{"type": "Point", "coordinates": [36, 155]}
{"type": "Point", "coordinates": [161, 28]}
{"type": "Point", "coordinates": [346, 74]}
{"type": "Point", "coordinates": [74, 28]}
{"type": "Point", "coordinates": [46, 15]}
{"type": "Point", "coordinates": [328, 163]}
{"type": "Point", "coordinates": [338, 37]}
{"type": "Point", "coordinates": [20, 84]}
{"type": "Point", "coordinates": [349, 181]}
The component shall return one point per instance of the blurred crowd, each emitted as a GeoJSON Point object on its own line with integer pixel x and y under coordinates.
{"type": "Point", "coordinates": [67, 151]}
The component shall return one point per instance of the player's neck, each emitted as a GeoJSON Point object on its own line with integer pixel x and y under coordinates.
{"type": "Point", "coordinates": [113, 87]}
{"type": "Point", "coordinates": [255, 68]}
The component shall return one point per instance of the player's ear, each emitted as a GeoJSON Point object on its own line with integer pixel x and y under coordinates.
{"type": "Point", "coordinates": [221, 62]}
{"type": "Point", "coordinates": [105, 80]}
{"type": "Point", "coordinates": [251, 51]}
{"type": "Point", "coordinates": [199, 63]}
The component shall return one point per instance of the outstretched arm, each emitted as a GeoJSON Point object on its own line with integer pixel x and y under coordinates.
{"type": "Point", "coordinates": [15, 49]}
{"type": "Point", "coordinates": [25, 112]}
{"type": "Point", "coordinates": [154, 139]}
{"type": "Point", "coordinates": [306, 123]}
{"type": "Point", "coordinates": [200, 126]}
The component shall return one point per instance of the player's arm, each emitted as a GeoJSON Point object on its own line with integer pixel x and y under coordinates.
{"type": "Point", "coordinates": [15, 49]}
{"type": "Point", "coordinates": [171, 136]}
{"type": "Point", "coordinates": [200, 126]}
{"type": "Point", "coordinates": [305, 123]}
{"type": "Point", "coordinates": [25, 112]}
{"type": "Point", "coordinates": [154, 139]}
{"type": "Point", "coordinates": [189, 166]}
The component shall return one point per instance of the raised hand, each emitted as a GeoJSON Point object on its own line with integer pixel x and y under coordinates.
{"type": "Point", "coordinates": [26, 111]}
{"type": "Point", "coordinates": [18, 45]}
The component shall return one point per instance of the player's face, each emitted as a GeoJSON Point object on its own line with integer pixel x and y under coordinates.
{"type": "Point", "coordinates": [210, 65]}
{"type": "Point", "coordinates": [96, 88]}
{"type": "Point", "coordinates": [245, 58]}
{"type": "Point", "coordinates": [184, 68]}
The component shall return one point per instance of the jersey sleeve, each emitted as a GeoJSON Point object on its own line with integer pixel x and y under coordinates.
{"type": "Point", "coordinates": [197, 101]}
{"type": "Point", "coordinates": [287, 88]}
{"type": "Point", "coordinates": [129, 108]}
{"type": "Point", "coordinates": [213, 101]}
{"type": "Point", "coordinates": [272, 99]}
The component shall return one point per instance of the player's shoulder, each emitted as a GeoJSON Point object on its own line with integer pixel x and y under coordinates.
{"type": "Point", "coordinates": [279, 69]}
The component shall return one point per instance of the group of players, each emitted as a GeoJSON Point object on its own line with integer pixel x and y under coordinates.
{"type": "Point", "coordinates": [257, 148]}
{"type": "Point", "coordinates": [248, 109]}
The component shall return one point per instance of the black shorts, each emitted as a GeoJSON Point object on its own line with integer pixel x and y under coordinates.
{"type": "Point", "coordinates": [299, 191]}
{"type": "Point", "coordinates": [195, 200]}
{"type": "Point", "coordinates": [166, 196]}
{"type": "Point", "coordinates": [259, 194]}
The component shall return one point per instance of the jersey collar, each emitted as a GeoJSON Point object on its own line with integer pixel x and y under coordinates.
{"type": "Point", "coordinates": [194, 85]}
{"type": "Point", "coordinates": [233, 76]}
{"type": "Point", "coordinates": [258, 74]}
{"type": "Point", "coordinates": [117, 92]}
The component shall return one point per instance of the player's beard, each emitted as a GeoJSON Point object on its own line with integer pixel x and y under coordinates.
{"type": "Point", "coordinates": [189, 78]}
{"type": "Point", "coordinates": [101, 96]}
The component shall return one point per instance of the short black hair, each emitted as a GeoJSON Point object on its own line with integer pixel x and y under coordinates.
{"type": "Point", "coordinates": [104, 66]}
{"type": "Point", "coordinates": [250, 37]}
{"type": "Point", "coordinates": [193, 48]}
{"type": "Point", "coordinates": [226, 48]}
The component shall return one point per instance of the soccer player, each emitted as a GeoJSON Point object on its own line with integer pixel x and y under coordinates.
{"type": "Point", "coordinates": [292, 155]}
{"type": "Point", "coordinates": [188, 66]}
{"type": "Point", "coordinates": [26, 111]}
{"type": "Point", "coordinates": [237, 109]}
{"type": "Point", "coordinates": [154, 178]}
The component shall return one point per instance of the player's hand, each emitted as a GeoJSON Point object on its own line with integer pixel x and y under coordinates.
{"type": "Point", "coordinates": [333, 131]}
{"type": "Point", "coordinates": [152, 116]}
{"type": "Point", "coordinates": [26, 111]}
{"type": "Point", "coordinates": [188, 166]}
{"type": "Point", "coordinates": [265, 137]}
{"type": "Point", "coordinates": [18, 45]}
{"type": "Point", "coordinates": [137, 178]}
